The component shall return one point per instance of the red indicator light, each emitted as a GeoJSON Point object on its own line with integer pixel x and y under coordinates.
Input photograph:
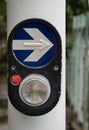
{"type": "Point", "coordinates": [16, 79]}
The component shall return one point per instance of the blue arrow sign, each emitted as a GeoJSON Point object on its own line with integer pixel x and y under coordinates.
{"type": "Point", "coordinates": [34, 44]}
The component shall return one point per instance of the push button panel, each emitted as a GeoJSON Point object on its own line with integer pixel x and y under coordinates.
{"type": "Point", "coordinates": [34, 67]}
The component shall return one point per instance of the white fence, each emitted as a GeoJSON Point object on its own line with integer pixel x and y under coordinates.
{"type": "Point", "coordinates": [78, 69]}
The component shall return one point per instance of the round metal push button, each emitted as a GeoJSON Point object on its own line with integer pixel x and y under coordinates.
{"type": "Point", "coordinates": [34, 90]}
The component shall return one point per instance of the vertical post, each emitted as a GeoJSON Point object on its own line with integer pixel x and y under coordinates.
{"type": "Point", "coordinates": [52, 11]}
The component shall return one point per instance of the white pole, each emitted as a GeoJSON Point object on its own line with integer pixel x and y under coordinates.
{"type": "Point", "coordinates": [52, 11]}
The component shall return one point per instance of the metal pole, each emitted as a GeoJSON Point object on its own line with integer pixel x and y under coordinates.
{"type": "Point", "coordinates": [52, 11]}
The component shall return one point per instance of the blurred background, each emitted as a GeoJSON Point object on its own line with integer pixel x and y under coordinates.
{"type": "Point", "coordinates": [77, 65]}
{"type": "Point", "coordinates": [3, 67]}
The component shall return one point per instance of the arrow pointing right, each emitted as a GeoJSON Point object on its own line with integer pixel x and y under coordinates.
{"type": "Point", "coordinates": [41, 45]}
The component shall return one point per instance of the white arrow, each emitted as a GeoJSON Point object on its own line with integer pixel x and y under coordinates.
{"type": "Point", "coordinates": [41, 44]}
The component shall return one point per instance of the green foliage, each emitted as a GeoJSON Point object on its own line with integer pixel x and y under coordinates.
{"type": "Point", "coordinates": [2, 12]}
{"type": "Point", "coordinates": [2, 7]}
{"type": "Point", "coordinates": [3, 33]}
{"type": "Point", "coordinates": [75, 7]}
{"type": "Point", "coordinates": [3, 68]}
